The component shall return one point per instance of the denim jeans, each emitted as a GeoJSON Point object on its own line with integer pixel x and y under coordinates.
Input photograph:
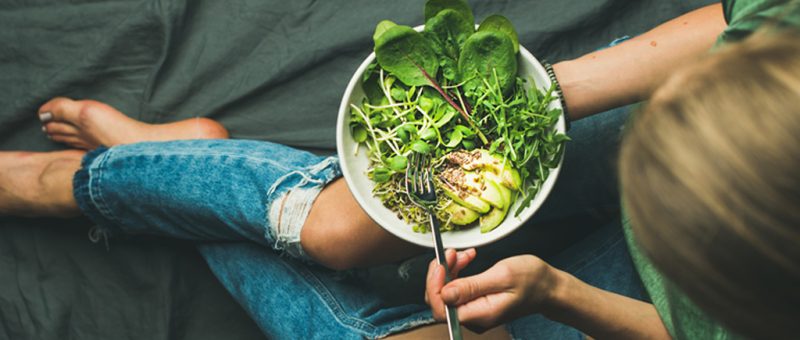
{"type": "Point", "coordinates": [244, 203]}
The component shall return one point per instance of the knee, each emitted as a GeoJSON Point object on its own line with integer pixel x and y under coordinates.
{"type": "Point", "coordinates": [333, 247]}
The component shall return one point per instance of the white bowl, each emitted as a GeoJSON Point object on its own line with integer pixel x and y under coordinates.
{"type": "Point", "coordinates": [354, 167]}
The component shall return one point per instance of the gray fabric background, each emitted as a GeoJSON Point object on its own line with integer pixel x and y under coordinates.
{"type": "Point", "coordinates": [267, 70]}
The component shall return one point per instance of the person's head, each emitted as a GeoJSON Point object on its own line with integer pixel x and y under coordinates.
{"type": "Point", "coordinates": [710, 175]}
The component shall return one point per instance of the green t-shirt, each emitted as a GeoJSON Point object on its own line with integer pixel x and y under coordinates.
{"type": "Point", "coordinates": [681, 316]}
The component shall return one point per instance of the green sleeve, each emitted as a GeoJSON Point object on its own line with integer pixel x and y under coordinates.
{"type": "Point", "coordinates": [682, 318]}
{"type": "Point", "coordinates": [746, 16]}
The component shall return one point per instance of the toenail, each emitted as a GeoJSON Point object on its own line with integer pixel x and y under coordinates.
{"type": "Point", "coordinates": [45, 116]}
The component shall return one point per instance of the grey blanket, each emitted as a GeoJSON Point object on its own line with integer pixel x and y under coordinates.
{"type": "Point", "coordinates": [267, 70]}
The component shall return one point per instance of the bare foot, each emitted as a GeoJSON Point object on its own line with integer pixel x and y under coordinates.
{"type": "Point", "coordinates": [87, 124]}
{"type": "Point", "coordinates": [38, 184]}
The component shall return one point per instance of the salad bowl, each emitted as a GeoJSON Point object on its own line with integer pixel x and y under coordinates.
{"type": "Point", "coordinates": [355, 163]}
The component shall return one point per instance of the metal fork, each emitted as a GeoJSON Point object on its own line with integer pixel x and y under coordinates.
{"type": "Point", "coordinates": [420, 189]}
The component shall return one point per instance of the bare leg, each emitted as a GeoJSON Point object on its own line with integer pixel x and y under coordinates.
{"type": "Point", "coordinates": [38, 184]}
{"type": "Point", "coordinates": [337, 233]}
{"type": "Point", "coordinates": [87, 124]}
{"type": "Point", "coordinates": [340, 235]}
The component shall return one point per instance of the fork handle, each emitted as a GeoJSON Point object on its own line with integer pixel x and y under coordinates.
{"type": "Point", "coordinates": [454, 326]}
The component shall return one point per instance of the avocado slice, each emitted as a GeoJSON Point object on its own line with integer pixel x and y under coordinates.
{"type": "Point", "coordinates": [469, 189]}
{"type": "Point", "coordinates": [464, 198]}
{"type": "Point", "coordinates": [492, 219]}
{"type": "Point", "coordinates": [460, 215]}
{"type": "Point", "coordinates": [505, 192]}
{"type": "Point", "coordinates": [510, 177]}
{"type": "Point", "coordinates": [485, 189]}
{"type": "Point", "coordinates": [483, 159]}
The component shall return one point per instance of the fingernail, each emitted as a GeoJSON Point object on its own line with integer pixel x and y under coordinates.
{"type": "Point", "coordinates": [450, 294]}
{"type": "Point", "coordinates": [44, 129]}
{"type": "Point", "coordinates": [461, 255]}
{"type": "Point", "coordinates": [436, 270]}
{"type": "Point", "coordinates": [45, 116]}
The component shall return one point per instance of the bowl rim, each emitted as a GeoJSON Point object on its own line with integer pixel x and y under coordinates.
{"type": "Point", "coordinates": [363, 202]}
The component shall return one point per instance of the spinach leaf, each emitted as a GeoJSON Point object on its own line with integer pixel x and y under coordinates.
{"type": "Point", "coordinates": [448, 31]}
{"type": "Point", "coordinates": [499, 23]}
{"type": "Point", "coordinates": [406, 54]}
{"type": "Point", "coordinates": [487, 56]}
{"type": "Point", "coordinates": [382, 27]}
{"type": "Point", "coordinates": [433, 7]}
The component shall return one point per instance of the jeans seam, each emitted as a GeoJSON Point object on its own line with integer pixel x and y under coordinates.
{"type": "Point", "coordinates": [95, 194]}
{"type": "Point", "coordinates": [271, 162]}
{"type": "Point", "coordinates": [332, 304]}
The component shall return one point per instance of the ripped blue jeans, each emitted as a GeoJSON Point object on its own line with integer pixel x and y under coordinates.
{"type": "Point", "coordinates": [204, 190]}
{"type": "Point", "coordinates": [244, 203]}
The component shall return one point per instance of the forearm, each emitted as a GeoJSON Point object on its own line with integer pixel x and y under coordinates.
{"type": "Point", "coordinates": [629, 72]}
{"type": "Point", "coordinates": [602, 314]}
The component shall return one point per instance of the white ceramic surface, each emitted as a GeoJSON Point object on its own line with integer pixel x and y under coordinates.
{"type": "Point", "coordinates": [355, 166]}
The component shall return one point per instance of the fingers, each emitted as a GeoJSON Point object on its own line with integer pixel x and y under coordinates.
{"type": "Point", "coordinates": [456, 261]}
{"type": "Point", "coordinates": [463, 290]}
{"type": "Point", "coordinates": [433, 287]}
{"type": "Point", "coordinates": [463, 258]}
{"type": "Point", "coordinates": [484, 313]}
{"type": "Point", "coordinates": [451, 257]}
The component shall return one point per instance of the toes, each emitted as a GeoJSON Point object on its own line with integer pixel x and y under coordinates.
{"type": "Point", "coordinates": [72, 141]}
{"type": "Point", "coordinates": [57, 128]}
{"type": "Point", "coordinates": [60, 109]}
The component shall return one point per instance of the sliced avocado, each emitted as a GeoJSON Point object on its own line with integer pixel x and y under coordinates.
{"type": "Point", "coordinates": [471, 160]}
{"type": "Point", "coordinates": [510, 177]}
{"type": "Point", "coordinates": [461, 215]}
{"type": "Point", "coordinates": [505, 192]}
{"type": "Point", "coordinates": [483, 159]}
{"type": "Point", "coordinates": [492, 219]}
{"type": "Point", "coordinates": [481, 187]}
{"type": "Point", "coordinates": [466, 199]}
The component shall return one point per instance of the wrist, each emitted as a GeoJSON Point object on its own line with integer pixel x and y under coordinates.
{"type": "Point", "coordinates": [557, 298]}
{"type": "Point", "coordinates": [573, 85]}
{"type": "Point", "coordinates": [556, 87]}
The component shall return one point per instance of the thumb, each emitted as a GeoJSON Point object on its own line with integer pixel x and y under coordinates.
{"type": "Point", "coordinates": [466, 289]}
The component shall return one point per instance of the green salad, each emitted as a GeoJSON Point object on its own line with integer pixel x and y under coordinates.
{"type": "Point", "coordinates": [452, 92]}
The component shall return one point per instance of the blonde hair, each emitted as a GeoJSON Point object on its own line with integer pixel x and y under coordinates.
{"type": "Point", "coordinates": [710, 174]}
